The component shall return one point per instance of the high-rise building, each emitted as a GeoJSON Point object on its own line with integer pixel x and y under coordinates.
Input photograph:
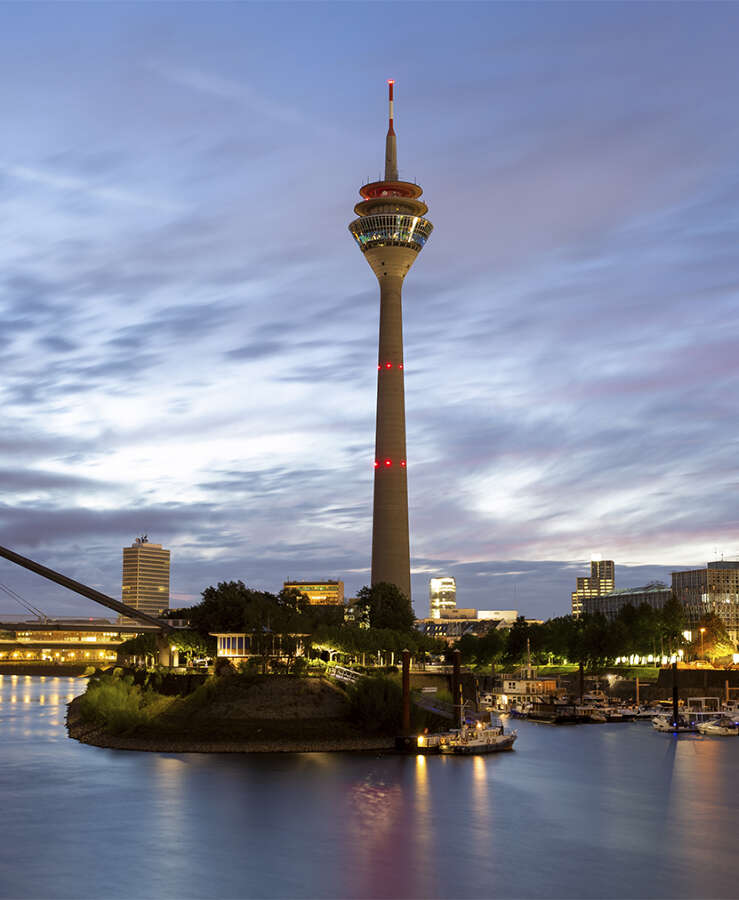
{"type": "Point", "coordinates": [145, 583]}
{"type": "Point", "coordinates": [320, 593]}
{"type": "Point", "coordinates": [442, 595]}
{"type": "Point", "coordinates": [714, 589]}
{"type": "Point", "coordinates": [391, 231]}
{"type": "Point", "coordinates": [601, 581]}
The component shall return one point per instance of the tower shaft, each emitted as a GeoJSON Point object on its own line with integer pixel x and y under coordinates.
{"type": "Point", "coordinates": [390, 542]}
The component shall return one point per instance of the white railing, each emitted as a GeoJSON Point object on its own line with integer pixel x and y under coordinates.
{"type": "Point", "coordinates": [340, 673]}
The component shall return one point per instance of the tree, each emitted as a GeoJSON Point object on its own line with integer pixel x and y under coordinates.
{"type": "Point", "coordinates": [192, 643]}
{"type": "Point", "coordinates": [672, 624]}
{"type": "Point", "coordinates": [516, 644]}
{"type": "Point", "coordinates": [716, 641]}
{"type": "Point", "coordinates": [388, 607]}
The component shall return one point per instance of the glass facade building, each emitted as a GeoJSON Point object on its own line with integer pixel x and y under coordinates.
{"type": "Point", "coordinates": [442, 595]}
{"type": "Point", "coordinates": [714, 589]}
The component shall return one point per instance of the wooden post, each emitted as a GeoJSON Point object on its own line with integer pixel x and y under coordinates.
{"type": "Point", "coordinates": [637, 690]}
{"type": "Point", "coordinates": [674, 694]}
{"type": "Point", "coordinates": [406, 692]}
{"type": "Point", "coordinates": [457, 687]}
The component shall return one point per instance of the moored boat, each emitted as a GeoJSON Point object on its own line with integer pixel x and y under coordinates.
{"type": "Point", "coordinates": [722, 725]}
{"type": "Point", "coordinates": [681, 725]}
{"type": "Point", "coordinates": [431, 742]}
{"type": "Point", "coordinates": [479, 738]}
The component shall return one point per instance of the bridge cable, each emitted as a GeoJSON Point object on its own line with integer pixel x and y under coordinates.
{"type": "Point", "coordinates": [28, 606]}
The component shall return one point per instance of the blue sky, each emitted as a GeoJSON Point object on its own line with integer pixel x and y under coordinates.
{"type": "Point", "coordinates": [189, 335]}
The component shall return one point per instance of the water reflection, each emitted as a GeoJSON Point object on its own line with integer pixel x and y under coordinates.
{"type": "Point", "coordinates": [580, 812]}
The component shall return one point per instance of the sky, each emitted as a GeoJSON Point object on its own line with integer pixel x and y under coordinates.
{"type": "Point", "coordinates": [189, 334]}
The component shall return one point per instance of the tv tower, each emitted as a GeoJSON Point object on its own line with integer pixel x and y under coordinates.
{"type": "Point", "coordinates": [390, 232]}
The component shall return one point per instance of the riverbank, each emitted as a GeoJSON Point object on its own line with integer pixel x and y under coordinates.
{"type": "Point", "coordinates": [234, 714]}
{"type": "Point", "coordinates": [58, 670]}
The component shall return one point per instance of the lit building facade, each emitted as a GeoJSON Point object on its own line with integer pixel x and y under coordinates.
{"type": "Point", "coordinates": [145, 583]}
{"type": "Point", "coordinates": [390, 231]}
{"type": "Point", "coordinates": [320, 593]}
{"type": "Point", "coordinates": [601, 580]}
{"type": "Point", "coordinates": [442, 595]}
{"type": "Point", "coordinates": [714, 589]}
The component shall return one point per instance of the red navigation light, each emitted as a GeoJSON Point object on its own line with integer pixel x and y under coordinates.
{"type": "Point", "coordinates": [379, 366]}
{"type": "Point", "coordinates": [402, 464]}
{"type": "Point", "coordinates": [388, 365]}
{"type": "Point", "coordinates": [377, 464]}
{"type": "Point", "coordinates": [400, 365]}
{"type": "Point", "coordinates": [391, 81]}
{"type": "Point", "coordinates": [388, 462]}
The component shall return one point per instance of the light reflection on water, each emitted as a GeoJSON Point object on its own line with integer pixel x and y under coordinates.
{"type": "Point", "coordinates": [589, 811]}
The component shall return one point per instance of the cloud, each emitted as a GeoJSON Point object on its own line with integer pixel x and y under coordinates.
{"type": "Point", "coordinates": [229, 90]}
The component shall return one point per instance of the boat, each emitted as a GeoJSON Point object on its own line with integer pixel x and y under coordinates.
{"type": "Point", "coordinates": [647, 713]}
{"type": "Point", "coordinates": [555, 713]}
{"type": "Point", "coordinates": [479, 738]}
{"type": "Point", "coordinates": [679, 726]}
{"type": "Point", "coordinates": [431, 742]}
{"type": "Point", "coordinates": [722, 725]}
{"type": "Point", "coordinates": [702, 709]}
{"type": "Point", "coordinates": [619, 714]}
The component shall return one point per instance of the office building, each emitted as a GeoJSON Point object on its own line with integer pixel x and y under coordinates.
{"type": "Point", "coordinates": [390, 231]}
{"type": "Point", "coordinates": [320, 593]}
{"type": "Point", "coordinates": [600, 581]}
{"type": "Point", "coordinates": [442, 595]}
{"type": "Point", "coordinates": [714, 589]}
{"type": "Point", "coordinates": [145, 577]}
{"type": "Point", "coordinates": [655, 594]}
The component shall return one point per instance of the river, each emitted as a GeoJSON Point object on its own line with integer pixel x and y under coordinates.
{"type": "Point", "coordinates": [581, 811]}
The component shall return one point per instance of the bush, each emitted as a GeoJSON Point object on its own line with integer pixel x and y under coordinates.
{"type": "Point", "coordinates": [117, 704]}
{"type": "Point", "coordinates": [223, 666]}
{"type": "Point", "coordinates": [376, 703]}
{"type": "Point", "coordinates": [300, 666]}
{"type": "Point", "coordinates": [113, 702]}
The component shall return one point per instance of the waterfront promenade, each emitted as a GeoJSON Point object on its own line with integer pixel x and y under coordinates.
{"type": "Point", "coordinates": [601, 811]}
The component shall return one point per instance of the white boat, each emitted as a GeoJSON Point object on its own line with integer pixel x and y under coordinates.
{"type": "Point", "coordinates": [702, 709]}
{"type": "Point", "coordinates": [722, 725]}
{"type": "Point", "coordinates": [478, 738]}
{"type": "Point", "coordinates": [666, 723]}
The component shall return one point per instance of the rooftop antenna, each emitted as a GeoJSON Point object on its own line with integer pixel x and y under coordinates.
{"type": "Point", "coordinates": [391, 146]}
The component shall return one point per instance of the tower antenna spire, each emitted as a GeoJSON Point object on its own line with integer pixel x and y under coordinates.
{"type": "Point", "coordinates": [391, 146]}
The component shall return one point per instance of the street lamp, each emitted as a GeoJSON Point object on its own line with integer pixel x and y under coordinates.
{"type": "Point", "coordinates": [702, 630]}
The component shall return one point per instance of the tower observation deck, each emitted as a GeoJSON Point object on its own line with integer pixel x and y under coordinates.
{"type": "Point", "coordinates": [391, 231]}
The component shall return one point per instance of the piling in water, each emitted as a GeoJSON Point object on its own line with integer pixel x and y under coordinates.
{"type": "Point", "coordinates": [674, 693]}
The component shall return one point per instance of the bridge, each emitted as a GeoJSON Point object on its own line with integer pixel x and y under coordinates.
{"type": "Point", "coordinates": [148, 623]}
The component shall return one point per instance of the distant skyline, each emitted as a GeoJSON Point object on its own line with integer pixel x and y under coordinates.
{"type": "Point", "coordinates": [189, 332]}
